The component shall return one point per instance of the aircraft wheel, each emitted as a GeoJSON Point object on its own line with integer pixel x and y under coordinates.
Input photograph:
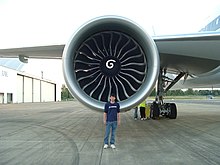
{"type": "Point", "coordinates": [166, 106]}
{"type": "Point", "coordinates": [155, 112]}
{"type": "Point", "coordinates": [173, 109]}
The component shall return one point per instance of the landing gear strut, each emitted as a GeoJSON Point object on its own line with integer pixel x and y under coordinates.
{"type": "Point", "coordinates": [159, 108]}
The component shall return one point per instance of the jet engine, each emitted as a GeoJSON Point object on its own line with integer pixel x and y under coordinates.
{"type": "Point", "coordinates": [110, 54]}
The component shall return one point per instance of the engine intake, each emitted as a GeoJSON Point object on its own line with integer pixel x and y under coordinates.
{"type": "Point", "coordinates": [110, 55]}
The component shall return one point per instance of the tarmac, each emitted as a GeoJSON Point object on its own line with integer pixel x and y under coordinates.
{"type": "Point", "coordinates": [70, 134]}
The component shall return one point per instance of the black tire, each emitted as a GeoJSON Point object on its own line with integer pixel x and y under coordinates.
{"type": "Point", "coordinates": [173, 111]}
{"type": "Point", "coordinates": [167, 106]}
{"type": "Point", "coordinates": [155, 112]}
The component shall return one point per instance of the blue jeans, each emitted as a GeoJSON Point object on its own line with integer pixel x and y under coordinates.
{"type": "Point", "coordinates": [109, 126]}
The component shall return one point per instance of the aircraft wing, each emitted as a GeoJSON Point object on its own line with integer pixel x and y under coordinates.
{"type": "Point", "coordinates": [40, 52]}
{"type": "Point", "coordinates": [193, 53]}
{"type": "Point", "coordinates": [196, 54]}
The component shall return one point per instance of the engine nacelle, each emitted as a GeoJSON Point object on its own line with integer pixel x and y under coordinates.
{"type": "Point", "coordinates": [107, 55]}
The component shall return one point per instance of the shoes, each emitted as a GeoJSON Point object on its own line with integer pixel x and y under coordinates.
{"type": "Point", "coordinates": [113, 146]}
{"type": "Point", "coordinates": [105, 146]}
{"type": "Point", "coordinates": [135, 118]}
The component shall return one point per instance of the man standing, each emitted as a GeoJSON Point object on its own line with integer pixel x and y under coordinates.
{"type": "Point", "coordinates": [111, 119]}
{"type": "Point", "coordinates": [142, 110]}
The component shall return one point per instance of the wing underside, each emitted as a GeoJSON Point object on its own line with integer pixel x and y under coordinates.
{"type": "Point", "coordinates": [197, 55]}
{"type": "Point", "coordinates": [40, 52]}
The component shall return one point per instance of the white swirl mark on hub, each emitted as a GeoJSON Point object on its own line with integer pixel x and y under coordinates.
{"type": "Point", "coordinates": [110, 64]}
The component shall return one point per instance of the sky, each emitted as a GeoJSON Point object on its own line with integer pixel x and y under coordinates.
{"type": "Point", "coordinates": [47, 22]}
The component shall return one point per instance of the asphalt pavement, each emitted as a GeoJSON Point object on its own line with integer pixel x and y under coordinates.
{"type": "Point", "coordinates": [69, 133]}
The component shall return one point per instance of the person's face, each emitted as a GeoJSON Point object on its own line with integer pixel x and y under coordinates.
{"type": "Point", "coordinates": [112, 98]}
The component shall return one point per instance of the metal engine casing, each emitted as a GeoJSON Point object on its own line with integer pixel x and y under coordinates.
{"type": "Point", "coordinates": [117, 42]}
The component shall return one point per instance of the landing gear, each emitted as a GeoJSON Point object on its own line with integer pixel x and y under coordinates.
{"type": "Point", "coordinates": [158, 107]}
{"type": "Point", "coordinates": [168, 110]}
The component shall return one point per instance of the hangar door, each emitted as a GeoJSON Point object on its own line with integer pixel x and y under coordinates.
{"type": "Point", "coordinates": [47, 91]}
{"type": "Point", "coordinates": [20, 89]}
{"type": "Point", "coordinates": [28, 89]}
{"type": "Point", "coordinates": [1, 98]}
{"type": "Point", "coordinates": [36, 90]}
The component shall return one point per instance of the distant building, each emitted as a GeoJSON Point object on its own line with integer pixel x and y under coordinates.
{"type": "Point", "coordinates": [20, 87]}
{"type": "Point", "coordinates": [214, 25]}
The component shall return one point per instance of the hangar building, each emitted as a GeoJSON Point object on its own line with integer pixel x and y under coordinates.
{"type": "Point", "coordinates": [20, 87]}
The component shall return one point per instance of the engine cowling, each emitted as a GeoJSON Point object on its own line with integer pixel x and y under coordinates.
{"type": "Point", "coordinates": [107, 55]}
